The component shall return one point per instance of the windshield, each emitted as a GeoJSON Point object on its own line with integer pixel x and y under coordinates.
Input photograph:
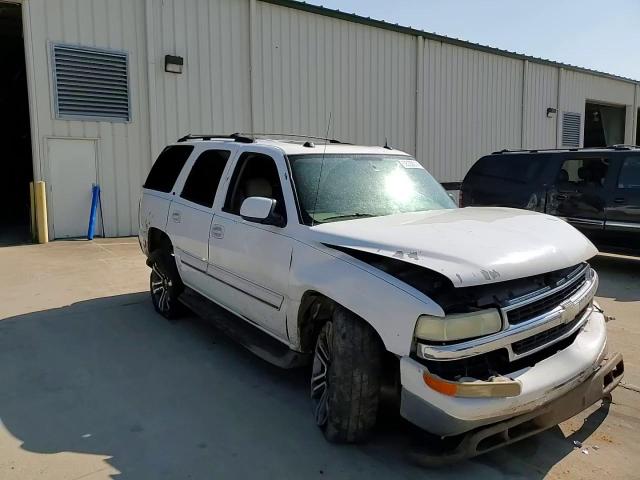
{"type": "Point", "coordinates": [343, 186]}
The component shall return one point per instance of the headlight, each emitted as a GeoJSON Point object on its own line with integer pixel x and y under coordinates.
{"type": "Point", "coordinates": [458, 326]}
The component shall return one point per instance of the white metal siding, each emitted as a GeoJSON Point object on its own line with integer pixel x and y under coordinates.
{"type": "Point", "coordinates": [212, 95]}
{"type": "Point", "coordinates": [577, 88]}
{"type": "Point", "coordinates": [541, 92]}
{"type": "Point", "coordinates": [471, 107]}
{"type": "Point", "coordinates": [309, 66]}
{"type": "Point", "coordinates": [123, 148]}
{"type": "Point", "coordinates": [252, 65]}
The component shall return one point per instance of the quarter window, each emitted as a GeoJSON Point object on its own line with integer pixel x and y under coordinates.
{"type": "Point", "coordinates": [630, 173]}
{"type": "Point", "coordinates": [256, 175]}
{"type": "Point", "coordinates": [167, 167]}
{"type": "Point", "coordinates": [204, 178]}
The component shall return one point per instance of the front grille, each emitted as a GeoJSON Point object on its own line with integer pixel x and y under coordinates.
{"type": "Point", "coordinates": [546, 304]}
{"type": "Point", "coordinates": [545, 337]}
{"type": "Point", "coordinates": [497, 362]}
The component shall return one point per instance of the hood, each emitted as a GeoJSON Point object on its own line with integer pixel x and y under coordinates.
{"type": "Point", "coordinates": [470, 246]}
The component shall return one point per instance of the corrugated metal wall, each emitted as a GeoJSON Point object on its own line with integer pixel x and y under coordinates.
{"type": "Point", "coordinates": [577, 88]}
{"type": "Point", "coordinates": [541, 92]}
{"type": "Point", "coordinates": [472, 104]}
{"type": "Point", "coordinates": [253, 65]}
{"type": "Point", "coordinates": [213, 92]}
{"type": "Point", "coordinates": [309, 66]}
{"type": "Point", "coordinates": [123, 148]}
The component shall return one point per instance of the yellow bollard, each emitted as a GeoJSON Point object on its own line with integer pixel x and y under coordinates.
{"type": "Point", "coordinates": [32, 205]}
{"type": "Point", "coordinates": [41, 212]}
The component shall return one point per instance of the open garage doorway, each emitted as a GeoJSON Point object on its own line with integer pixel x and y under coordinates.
{"type": "Point", "coordinates": [603, 125]}
{"type": "Point", "coordinates": [16, 166]}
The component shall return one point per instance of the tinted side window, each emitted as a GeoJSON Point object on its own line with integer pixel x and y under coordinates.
{"type": "Point", "coordinates": [256, 175]}
{"type": "Point", "coordinates": [202, 182]}
{"type": "Point", "coordinates": [517, 168]}
{"type": "Point", "coordinates": [167, 167]}
{"type": "Point", "coordinates": [577, 173]}
{"type": "Point", "coordinates": [630, 173]}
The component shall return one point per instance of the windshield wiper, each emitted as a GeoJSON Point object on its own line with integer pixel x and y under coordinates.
{"type": "Point", "coordinates": [349, 215]}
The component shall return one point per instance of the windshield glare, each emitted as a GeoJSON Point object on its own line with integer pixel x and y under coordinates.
{"type": "Point", "coordinates": [343, 187]}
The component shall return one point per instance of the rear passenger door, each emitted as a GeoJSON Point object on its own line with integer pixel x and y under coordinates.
{"type": "Point", "coordinates": [191, 214]}
{"type": "Point", "coordinates": [622, 226]}
{"type": "Point", "coordinates": [578, 193]}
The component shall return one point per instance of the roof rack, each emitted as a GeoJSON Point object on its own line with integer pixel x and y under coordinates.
{"type": "Point", "coordinates": [292, 135]}
{"type": "Point", "coordinates": [624, 146]}
{"type": "Point", "coordinates": [211, 136]}
{"type": "Point", "coordinates": [249, 137]}
{"type": "Point", "coordinates": [567, 149]}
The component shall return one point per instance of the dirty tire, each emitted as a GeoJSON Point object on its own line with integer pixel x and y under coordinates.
{"type": "Point", "coordinates": [165, 285]}
{"type": "Point", "coordinates": [348, 361]}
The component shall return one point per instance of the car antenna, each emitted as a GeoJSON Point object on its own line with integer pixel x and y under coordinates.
{"type": "Point", "coordinates": [326, 140]}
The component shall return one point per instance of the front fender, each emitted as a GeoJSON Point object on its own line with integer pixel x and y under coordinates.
{"type": "Point", "coordinates": [387, 304]}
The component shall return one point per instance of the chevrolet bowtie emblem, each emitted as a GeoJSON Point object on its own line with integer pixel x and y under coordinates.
{"type": "Point", "coordinates": [569, 310]}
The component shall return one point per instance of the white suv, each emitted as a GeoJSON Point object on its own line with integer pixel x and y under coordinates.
{"type": "Point", "coordinates": [355, 260]}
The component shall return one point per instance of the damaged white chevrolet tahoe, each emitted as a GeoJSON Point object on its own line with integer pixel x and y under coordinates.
{"type": "Point", "coordinates": [355, 260]}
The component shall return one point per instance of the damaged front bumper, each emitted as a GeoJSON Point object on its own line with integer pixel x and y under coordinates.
{"type": "Point", "coordinates": [499, 434]}
{"type": "Point", "coordinates": [553, 390]}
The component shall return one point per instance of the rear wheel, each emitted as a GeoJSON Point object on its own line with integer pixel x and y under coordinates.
{"type": "Point", "coordinates": [345, 378]}
{"type": "Point", "coordinates": [165, 285]}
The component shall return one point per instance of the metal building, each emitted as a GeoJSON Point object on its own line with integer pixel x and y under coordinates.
{"type": "Point", "coordinates": [91, 90]}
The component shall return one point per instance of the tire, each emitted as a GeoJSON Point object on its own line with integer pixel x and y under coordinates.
{"type": "Point", "coordinates": [165, 285]}
{"type": "Point", "coordinates": [345, 378]}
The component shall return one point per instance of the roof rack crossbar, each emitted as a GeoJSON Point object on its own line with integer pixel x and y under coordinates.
{"type": "Point", "coordinates": [292, 135]}
{"type": "Point", "coordinates": [214, 136]}
{"type": "Point", "coordinates": [565, 149]}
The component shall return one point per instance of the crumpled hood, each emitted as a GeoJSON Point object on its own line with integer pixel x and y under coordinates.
{"type": "Point", "coordinates": [470, 246]}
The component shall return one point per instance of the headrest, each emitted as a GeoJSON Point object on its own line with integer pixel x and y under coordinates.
{"type": "Point", "coordinates": [258, 187]}
{"type": "Point", "coordinates": [582, 173]}
{"type": "Point", "coordinates": [563, 175]}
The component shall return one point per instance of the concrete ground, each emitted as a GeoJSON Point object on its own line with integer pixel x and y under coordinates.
{"type": "Point", "coordinates": [95, 385]}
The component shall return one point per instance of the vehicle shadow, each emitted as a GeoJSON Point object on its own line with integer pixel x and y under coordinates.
{"type": "Point", "coordinates": [619, 277]}
{"type": "Point", "coordinates": [165, 400]}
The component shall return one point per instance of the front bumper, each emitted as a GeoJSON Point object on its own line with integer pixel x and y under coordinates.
{"type": "Point", "coordinates": [583, 364]}
{"type": "Point", "coordinates": [497, 435]}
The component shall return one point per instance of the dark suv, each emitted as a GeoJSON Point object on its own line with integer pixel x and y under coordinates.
{"type": "Point", "coordinates": [597, 190]}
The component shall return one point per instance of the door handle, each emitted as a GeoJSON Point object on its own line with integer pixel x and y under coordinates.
{"type": "Point", "coordinates": [619, 200]}
{"type": "Point", "coordinates": [176, 217]}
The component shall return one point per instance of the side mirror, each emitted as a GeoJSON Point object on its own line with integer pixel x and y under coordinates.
{"type": "Point", "coordinates": [260, 210]}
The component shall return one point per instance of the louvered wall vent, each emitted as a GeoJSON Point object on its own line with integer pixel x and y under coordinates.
{"type": "Point", "coordinates": [90, 83]}
{"type": "Point", "coordinates": [570, 129]}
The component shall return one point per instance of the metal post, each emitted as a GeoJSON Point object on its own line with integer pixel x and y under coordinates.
{"type": "Point", "coordinates": [41, 212]}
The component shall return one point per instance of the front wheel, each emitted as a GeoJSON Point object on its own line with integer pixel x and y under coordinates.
{"type": "Point", "coordinates": [345, 378]}
{"type": "Point", "coordinates": [165, 285]}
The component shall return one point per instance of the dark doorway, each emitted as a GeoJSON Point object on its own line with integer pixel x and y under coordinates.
{"type": "Point", "coordinates": [15, 135]}
{"type": "Point", "coordinates": [603, 125]}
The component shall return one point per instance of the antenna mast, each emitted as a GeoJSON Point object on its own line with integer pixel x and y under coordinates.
{"type": "Point", "coordinates": [324, 150]}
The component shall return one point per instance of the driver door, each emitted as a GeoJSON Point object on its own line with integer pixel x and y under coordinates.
{"type": "Point", "coordinates": [249, 261]}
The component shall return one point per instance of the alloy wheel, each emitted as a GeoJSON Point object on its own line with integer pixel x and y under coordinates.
{"type": "Point", "coordinates": [160, 289]}
{"type": "Point", "coordinates": [320, 375]}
